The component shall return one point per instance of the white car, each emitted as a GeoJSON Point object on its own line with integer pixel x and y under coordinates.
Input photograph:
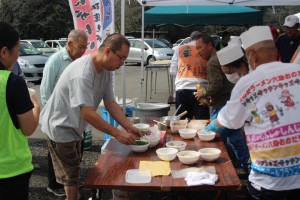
{"type": "Point", "coordinates": [57, 44]}
{"type": "Point", "coordinates": [153, 50]}
{"type": "Point", "coordinates": [41, 46]}
{"type": "Point", "coordinates": [183, 41]}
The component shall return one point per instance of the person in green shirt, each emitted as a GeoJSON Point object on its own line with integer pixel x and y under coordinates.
{"type": "Point", "coordinates": [18, 120]}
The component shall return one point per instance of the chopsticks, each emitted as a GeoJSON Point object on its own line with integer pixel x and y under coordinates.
{"type": "Point", "coordinates": [160, 122]}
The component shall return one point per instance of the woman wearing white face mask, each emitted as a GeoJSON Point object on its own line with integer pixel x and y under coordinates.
{"type": "Point", "coordinates": [233, 62]}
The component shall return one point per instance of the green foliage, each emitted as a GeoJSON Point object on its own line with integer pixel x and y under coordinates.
{"type": "Point", "coordinates": [47, 19]}
{"type": "Point", "coordinates": [133, 16]}
{"type": "Point", "coordinates": [51, 19]}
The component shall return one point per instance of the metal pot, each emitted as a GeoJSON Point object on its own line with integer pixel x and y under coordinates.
{"type": "Point", "coordinates": [167, 119]}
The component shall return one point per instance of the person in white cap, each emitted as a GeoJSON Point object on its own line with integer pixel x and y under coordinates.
{"type": "Point", "coordinates": [219, 90]}
{"type": "Point", "coordinates": [266, 103]}
{"type": "Point", "coordinates": [233, 62]}
{"type": "Point", "coordinates": [289, 42]}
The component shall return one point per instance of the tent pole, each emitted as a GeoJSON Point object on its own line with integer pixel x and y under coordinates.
{"type": "Point", "coordinates": [142, 61]}
{"type": "Point", "coordinates": [123, 66]}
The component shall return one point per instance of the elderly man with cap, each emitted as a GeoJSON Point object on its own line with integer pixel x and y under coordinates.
{"type": "Point", "coordinates": [266, 102]}
{"type": "Point", "coordinates": [219, 90]}
{"type": "Point", "coordinates": [189, 69]}
{"type": "Point", "coordinates": [289, 42]}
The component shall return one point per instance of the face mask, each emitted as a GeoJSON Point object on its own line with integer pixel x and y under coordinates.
{"type": "Point", "coordinates": [233, 78]}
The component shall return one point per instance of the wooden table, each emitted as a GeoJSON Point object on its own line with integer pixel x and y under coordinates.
{"type": "Point", "coordinates": [110, 169]}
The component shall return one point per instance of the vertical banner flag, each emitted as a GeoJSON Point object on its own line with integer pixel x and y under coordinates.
{"type": "Point", "coordinates": [96, 17]}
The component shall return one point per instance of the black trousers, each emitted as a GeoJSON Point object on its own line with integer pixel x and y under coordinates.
{"type": "Point", "coordinates": [189, 103]}
{"type": "Point", "coordinates": [15, 187]}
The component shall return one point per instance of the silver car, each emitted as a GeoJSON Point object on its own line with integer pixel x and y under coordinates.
{"type": "Point", "coordinates": [41, 46]}
{"type": "Point", "coordinates": [153, 50]}
{"type": "Point", "coordinates": [57, 44]}
{"type": "Point", "coordinates": [32, 62]}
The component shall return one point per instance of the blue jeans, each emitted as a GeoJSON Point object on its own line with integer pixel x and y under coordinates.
{"type": "Point", "coordinates": [236, 140]}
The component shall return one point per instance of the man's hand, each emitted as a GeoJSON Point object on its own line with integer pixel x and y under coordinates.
{"type": "Point", "coordinates": [129, 136]}
{"type": "Point", "coordinates": [125, 137]}
{"type": "Point", "coordinates": [212, 126]}
{"type": "Point", "coordinates": [200, 94]}
{"type": "Point", "coordinates": [135, 131]}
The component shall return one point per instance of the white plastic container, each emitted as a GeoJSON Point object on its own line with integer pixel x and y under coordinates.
{"type": "Point", "coordinates": [177, 125]}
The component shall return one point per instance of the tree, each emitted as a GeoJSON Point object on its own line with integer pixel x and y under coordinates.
{"type": "Point", "coordinates": [47, 19]}
{"type": "Point", "coordinates": [50, 19]}
{"type": "Point", "coordinates": [133, 16]}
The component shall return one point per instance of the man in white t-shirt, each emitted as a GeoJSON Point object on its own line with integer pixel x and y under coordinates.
{"type": "Point", "coordinates": [266, 102]}
{"type": "Point", "coordinates": [73, 103]}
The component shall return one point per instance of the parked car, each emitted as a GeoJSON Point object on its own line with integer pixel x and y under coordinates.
{"type": "Point", "coordinates": [166, 42]}
{"type": "Point", "coordinates": [183, 41]}
{"type": "Point", "coordinates": [41, 46]}
{"type": "Point", "coordinates": [57, 44]}
{"type": "Point", "coordinates": [32, 62]}
{"type": "Point", "coordinates": [129, 37]}
{"type": "Point", "coordinates": [177, 42]}
{"type": "Point", "coordinates": [153, 50]}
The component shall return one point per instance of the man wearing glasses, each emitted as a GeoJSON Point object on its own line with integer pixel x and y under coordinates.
{"type": "Point", "coordinates": [77, 95]}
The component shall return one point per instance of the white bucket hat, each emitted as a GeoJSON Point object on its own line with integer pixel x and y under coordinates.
{"type": "Point", "coordinates": [229, 54]}
{"type": "Point", "coordinates": [256, 34]}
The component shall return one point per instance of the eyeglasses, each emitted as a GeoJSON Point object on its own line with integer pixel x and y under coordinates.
{"type": "Point", "coordinates": [81, 47]}
{"type": "Point", "coordinates": [121, 57]}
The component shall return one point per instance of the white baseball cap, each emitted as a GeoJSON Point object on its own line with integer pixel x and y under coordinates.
{"type": "Point", "coordinates": [256, 34]}
{"type": "Point", "coordinates": [229, 54]}
{"type": "Point", "coordinates": [291, 21]}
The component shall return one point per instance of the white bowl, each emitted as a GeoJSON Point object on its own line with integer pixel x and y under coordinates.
{"type": "Point", "coordinates": [143, 127]}
{"type": "Point", "coordinates": [140, 148]}
{"type": "Point", "coordinates": [153, 139]}
{"type": "Point", "coordinates": [188, 157]}
{"type": "Point", "coordinates": [187, 133]}
{"type": "Point", "coordinates": [206, 135]}
{"type": "Point", "coordinates": [180, 145]}
{"type": "Point", "coordinates": [167, 154]}
{"type": "Point", "coordinates": [210, 154]}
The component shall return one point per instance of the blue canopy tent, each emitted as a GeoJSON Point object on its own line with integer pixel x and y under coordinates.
{"type": "Point", "coordinates": [204, 15]}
